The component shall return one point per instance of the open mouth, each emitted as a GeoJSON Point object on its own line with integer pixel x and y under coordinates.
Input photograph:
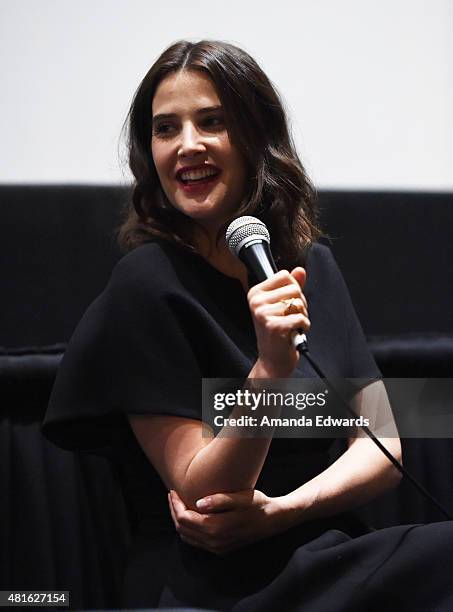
{"type": "Point", "coordinates": [197, 176]}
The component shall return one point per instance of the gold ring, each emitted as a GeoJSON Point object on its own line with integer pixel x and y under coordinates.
{"type": "Point", "coordinates": [290, 307]}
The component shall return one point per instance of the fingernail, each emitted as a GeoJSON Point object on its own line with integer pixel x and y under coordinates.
{"type": "Point", "coordinates": [203, 504]}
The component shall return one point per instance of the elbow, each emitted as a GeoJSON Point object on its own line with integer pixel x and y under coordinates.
{"type": "Point", "coordinates": [193, 488]}
{"type": "Point", "coordinates": [200, 478]}
{"type": "Point", "coordinates": [190, 489]}
{"type": "Point", "coordinates": [187, 497]}
{"type": "Point", "coordinates": [191, 493]}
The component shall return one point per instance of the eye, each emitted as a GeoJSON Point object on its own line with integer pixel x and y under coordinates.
{"type": "Point", "coordinates": [165, 128]}
{"type": "Point", "coordinates": [213, 122]}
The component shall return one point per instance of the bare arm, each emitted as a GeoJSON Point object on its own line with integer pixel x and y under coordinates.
{"type": "Point", "coordinates": [197, 466]}
{"type": "Point", "coordinates": [359, 474]}
{"type": "Point", "coordinates": [227, 521]}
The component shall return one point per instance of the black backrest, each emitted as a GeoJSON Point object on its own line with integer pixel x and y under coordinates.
{"type": "Point", "coordinates": [58, 248]}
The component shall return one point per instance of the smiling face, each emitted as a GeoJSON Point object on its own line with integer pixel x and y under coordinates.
{"type": "Point", "coordinates": [201, 172]}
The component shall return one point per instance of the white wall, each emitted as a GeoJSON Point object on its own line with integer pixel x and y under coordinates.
{"type": "Point", "coordinates": [369, 83]}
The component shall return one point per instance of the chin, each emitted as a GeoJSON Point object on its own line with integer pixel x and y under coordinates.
{"type": "Point", "coordinates": [201, 211]}
{"type": "Point", "coordinates": [210, 215]}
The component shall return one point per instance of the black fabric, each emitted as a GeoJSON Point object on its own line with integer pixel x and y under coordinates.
{"type": "Point", "coordinates": [63, 519]}
{"type": "Point", "coordinates": [165, 319]}
{"type": "Point", "coordinates": [403, 568]}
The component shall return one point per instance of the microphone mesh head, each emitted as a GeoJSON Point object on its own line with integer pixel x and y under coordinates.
{"type": "Point", "coordinates": [244, 230]}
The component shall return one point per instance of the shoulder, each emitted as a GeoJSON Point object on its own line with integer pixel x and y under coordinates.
{"type": "Point", "coordinates": [146, 271]}
{"type": "Point", "coordinates": [321, 265]}
{"type": "Point", "coordinates": [320, 255]}
{"type": "Point", "coordinates": [145, 260]}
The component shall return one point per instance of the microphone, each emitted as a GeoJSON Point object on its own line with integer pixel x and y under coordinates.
{"type": "Point", "coordinates": [248, 238]}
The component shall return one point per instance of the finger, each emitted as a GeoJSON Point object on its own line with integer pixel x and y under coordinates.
{"type": "Point", "coordinates": [293, 306]}
{"type": "Point", "coordinates": [223, 502]}
{"type": "Point", "coordinates": [182, 516]}
{"type": "Point", "coordinates": [282, 308]}
{"type": "Point", "coordinates": [195, 521]}
{"type": "Point", "coordinates": [283, 326]}
{"type": "Point", "coordinates": [218, 525]}
{"type": "Point", "coordinates": [280, 279]}
{"type": "Point", "coordinates": [215, 544]}
{"type": "Point", "coordinates": [281, 293]}
{"type": "Point", "coordinates": [176, 499]}
{"type": "Point", "coordinates": [300, 275]}
{"type": "Point", "coordinates": [197, 536]}
{"type": "Point", "coordinates": [299, 321]}
{"type": "Point", "coordinates": [185, 516]}
{"type": "Point", "coordinates": [172, 512]}
{"type": "Point", "coordinates": [178, 505]}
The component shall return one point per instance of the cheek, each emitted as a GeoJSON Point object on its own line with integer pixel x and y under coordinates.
{"type": "Point", "coordinates": [160, 157]}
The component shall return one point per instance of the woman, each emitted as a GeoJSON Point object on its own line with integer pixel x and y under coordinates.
{"type": "Point", "coordinates": [255, 518]}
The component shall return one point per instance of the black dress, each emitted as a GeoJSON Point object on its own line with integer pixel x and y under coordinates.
{"type": "Point", "coordinates": [165, 320]}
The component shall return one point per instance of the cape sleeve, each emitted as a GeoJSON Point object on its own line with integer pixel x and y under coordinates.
{"type": "Point", "coordinates": [348, 353]}
{"type": "Point", "coordinates": [127, 355]}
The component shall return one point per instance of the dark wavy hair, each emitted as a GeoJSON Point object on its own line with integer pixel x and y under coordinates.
{"type": "Point", "coordinates": [279, 191]}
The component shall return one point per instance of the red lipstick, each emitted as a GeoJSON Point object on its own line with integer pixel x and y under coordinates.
{"type": "Point", "coordinates": [200, 185]}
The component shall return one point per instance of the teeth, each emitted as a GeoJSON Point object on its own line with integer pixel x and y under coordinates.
{"type": "Point", "coordinates": [194, 175]}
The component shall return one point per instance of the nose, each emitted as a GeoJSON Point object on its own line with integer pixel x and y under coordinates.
{"type": "Point", "coordinates": [191, 143]}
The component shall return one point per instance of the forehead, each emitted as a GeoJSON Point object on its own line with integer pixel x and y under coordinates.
{"type": "Point", "coordinates": [186, 89]}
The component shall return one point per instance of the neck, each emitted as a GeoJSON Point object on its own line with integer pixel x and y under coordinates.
{"type": "Point", "coordinates": [221, 258]}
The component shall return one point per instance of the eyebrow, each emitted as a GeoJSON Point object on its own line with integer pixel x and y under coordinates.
{"type": "Point", "coordinates": [200, 111]}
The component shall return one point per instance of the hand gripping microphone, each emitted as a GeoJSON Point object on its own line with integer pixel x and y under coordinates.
{"type": "Point", "coordinates": [248, 239]}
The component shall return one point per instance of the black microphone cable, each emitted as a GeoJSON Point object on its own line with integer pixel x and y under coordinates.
{"type": "Point", "coordinates": [248, 238]}
{"type": "Point", "coordinates": [305, 352]}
